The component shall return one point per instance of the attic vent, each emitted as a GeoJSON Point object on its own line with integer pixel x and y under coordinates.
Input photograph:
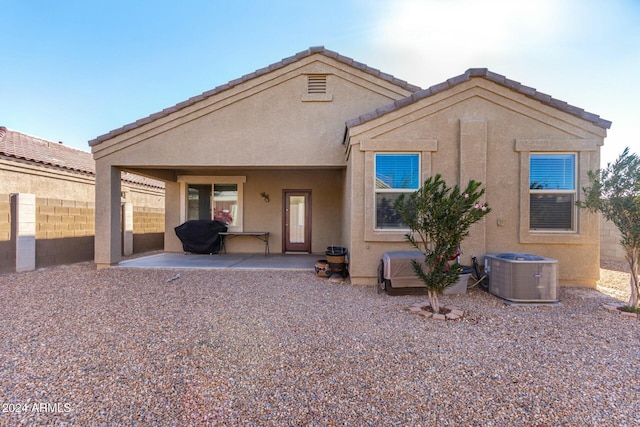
{"type": "Point", "coordinates": [316, 83]}
{"type": "Point", "coordinates": [316, 89]}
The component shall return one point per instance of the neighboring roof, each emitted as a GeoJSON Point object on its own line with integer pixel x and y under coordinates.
{"type": "Point", "coordinates": [23, 146]}
{"type": "Point", "coordinates": [18, 145]}
{"type": "Point", "coordinates": [493, 77]}
{"type": "Point", "coordinates": [268, 69]}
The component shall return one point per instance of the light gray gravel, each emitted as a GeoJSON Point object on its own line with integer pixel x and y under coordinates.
{"type": "Point", "coordinates": [224, 347]}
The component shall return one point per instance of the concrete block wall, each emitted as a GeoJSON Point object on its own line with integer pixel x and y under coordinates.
{"type": "Point", "coordinates": [148, 220]}
{"type": "Point", "coordinates": [148, 229]}
{"type": "Point", "coordinates": [6, 244]}
{"type": "Point", "coordinates": [65, 229]}
{"type": "Point", "coordinates": [5, 217]}
{"type": "Point", "coordinates": [58, 218]}
{"type": "Point", "coordinates": [610, 249]}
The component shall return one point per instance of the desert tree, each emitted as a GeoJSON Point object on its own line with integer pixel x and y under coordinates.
{"type": "Point", "coordinates": [615, 193]}
{"type": "Point", "coordinates": [439, 218]}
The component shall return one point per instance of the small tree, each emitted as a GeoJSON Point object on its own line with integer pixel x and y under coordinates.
{"type": "Point", "coordinates": [439, 218]}
{"type": "Point", "coordinates": [615, 192]}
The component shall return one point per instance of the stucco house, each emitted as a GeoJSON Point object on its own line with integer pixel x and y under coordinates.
{"type": "Point", "coordinates": [332, 142]}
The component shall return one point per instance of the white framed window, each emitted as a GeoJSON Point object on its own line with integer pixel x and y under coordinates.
{"type": "Point", "coordinates": [218, 198]}
{"type": "Point", "coordinates": [552, 192]}
{"type": "Point", "coordinates": [395, 174]}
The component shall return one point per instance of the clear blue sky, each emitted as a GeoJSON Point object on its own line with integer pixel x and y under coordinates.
{"type": "Point", "coordinates": [73, 70]}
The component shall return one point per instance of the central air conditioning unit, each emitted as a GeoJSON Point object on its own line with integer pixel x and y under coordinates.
{"type": "Point", "coordinates": [522, 277]}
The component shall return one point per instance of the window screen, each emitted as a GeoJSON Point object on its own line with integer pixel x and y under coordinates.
{"type": "Point", "coordinates": [552, 211]}
{"type": "Point", "coordinates": [397, 171]}
{"type": "Point", "coordinates": [552, 194]}
{"type": "Point", "coordinates": [552, 172]}
{"type": "Point", "coordinates": [395, 174]}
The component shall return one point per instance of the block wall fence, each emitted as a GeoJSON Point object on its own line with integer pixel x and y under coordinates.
{"type": "Point", "coordinates": [7, 246]}
{"type": "Point", "coordinates": [64, 232]}
{"type": "Point", "coordinates": [610, 249]}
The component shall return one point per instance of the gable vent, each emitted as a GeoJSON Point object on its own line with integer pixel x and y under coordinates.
{"type": "Point", "coordinates": [316, 83]}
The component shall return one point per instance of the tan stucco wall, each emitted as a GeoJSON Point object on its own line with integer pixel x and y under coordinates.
{"type": "Point", "coordinates": [479, 130]}
{"type": "Point", "coordinates": [43, 181]}
{"type": "Point", "coordinates": [56, 183]}
{"type": "Point", "coordinates": [267, 121]}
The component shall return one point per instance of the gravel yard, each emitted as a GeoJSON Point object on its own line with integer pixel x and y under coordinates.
{"type": "Point", "coordinates": [230, 347]}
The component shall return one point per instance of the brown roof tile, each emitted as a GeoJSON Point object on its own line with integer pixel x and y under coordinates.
{"type": "Point", "coordinates": [22, 146]}
{"type": "Point", "coordinates": [18, 145]}
{"type": "Point", "coordinates": [270, 68]}
{"type": "Point", "coordinates": [496, 78]}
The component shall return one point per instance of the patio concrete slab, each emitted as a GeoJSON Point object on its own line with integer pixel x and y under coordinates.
{"type": "Point", "coordinates": [240, 261]}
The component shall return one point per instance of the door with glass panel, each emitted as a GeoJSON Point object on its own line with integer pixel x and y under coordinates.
{"type": "Point", "coordinates": [296, 221]}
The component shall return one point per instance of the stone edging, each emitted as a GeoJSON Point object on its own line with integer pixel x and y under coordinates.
{"type": "Point", "coordinates": [613, 307]}
{"type": "Point", "coordinates": [418, 308]}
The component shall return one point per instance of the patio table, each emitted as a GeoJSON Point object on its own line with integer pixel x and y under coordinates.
{"type": "Point", "coordinates": [260, 235]}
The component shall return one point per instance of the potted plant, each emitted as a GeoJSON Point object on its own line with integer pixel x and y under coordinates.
{"type": "Point", "coordinates": [439, 218]}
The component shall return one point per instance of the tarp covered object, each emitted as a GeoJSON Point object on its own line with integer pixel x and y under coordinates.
{"type": "Point", "coordinates": [398, 272]}
{"type": "Point", "coordinates": [201, 236]}
{"type": "Point", "coordinates": [399, 269]}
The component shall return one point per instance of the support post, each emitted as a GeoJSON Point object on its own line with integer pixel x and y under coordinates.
{"type": "Point", "coordinates": [23, 225]}
{"type": "Point", "coordinates": [174, 214]}
{"type": "Point", "coordinates": [127, 228]}
{"type": "Point", "coordinates": [108, 230]}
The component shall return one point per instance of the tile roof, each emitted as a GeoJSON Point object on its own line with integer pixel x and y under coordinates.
{"type": "Point", "coordinates": [496, 78]}
{"type": "Point", "coordinates": [18, 145]}
{"type": "Point", "coordinates": [268, 69]}
{"type": "Point", "coordinates": [26, 147]}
